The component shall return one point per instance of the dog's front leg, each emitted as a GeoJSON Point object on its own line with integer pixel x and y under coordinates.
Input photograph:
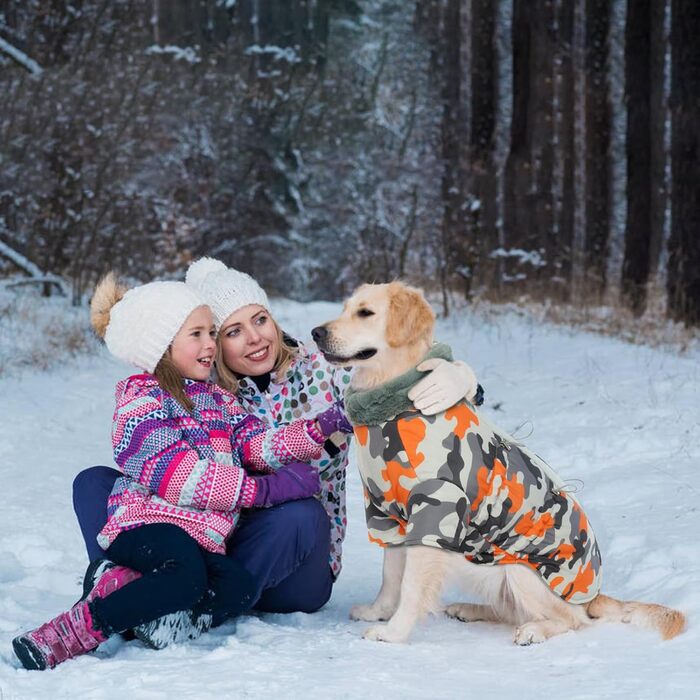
{"type": "Point", "coordinates": [388, 597]}
{"type": "Point", "coordinates": [421, 586]}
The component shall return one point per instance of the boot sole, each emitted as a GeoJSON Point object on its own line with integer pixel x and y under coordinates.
{"type": "Point", "coordinates": [30, 657]}
{"type": "Point", "coordinates": [158, 634]}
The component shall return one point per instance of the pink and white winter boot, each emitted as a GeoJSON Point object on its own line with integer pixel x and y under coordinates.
{"type": "Point", "coordinates": [72, 633]}
{"type": "Point", "coordinates": [68, 635]}
{"type": "Point", "coordinates": [104, 577]}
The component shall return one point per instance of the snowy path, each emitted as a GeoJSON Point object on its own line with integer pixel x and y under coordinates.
{"type": "Point", "coordinates": [623, 419]}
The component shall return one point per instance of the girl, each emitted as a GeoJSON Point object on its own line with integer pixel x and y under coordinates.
{"type": "Point", "coordinates": [181, 443]}
{"type": "Point", "coordinates": [278, 380]}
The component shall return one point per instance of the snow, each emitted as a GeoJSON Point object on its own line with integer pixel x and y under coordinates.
{"type": "Point", "coordinates": [623, 419]}
{"type": "Point", "coordinates": [25, 264]}
{"type": "Point", "coordinates": [17, 258]}
{"type": "Point", "coordinates": [20, 57]}
{"type": "Point", "coordinates": [533, 257]}
{"type": "Point", "coordinates": [277, 53]}
{"type": "Point", "coordinates": [189, 54]}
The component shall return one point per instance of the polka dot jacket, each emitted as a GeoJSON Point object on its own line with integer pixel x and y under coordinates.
{"type": "Point", "coordinates": [308, 387]}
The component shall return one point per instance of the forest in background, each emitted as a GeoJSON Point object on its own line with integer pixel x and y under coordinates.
{"type": "Point", "coordinates": [490, 149]}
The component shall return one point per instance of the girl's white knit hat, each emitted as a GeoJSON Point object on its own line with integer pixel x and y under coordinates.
{"type": "Point", "coordinates": [225, 290]}
{"type": "Point", "coordinates": [143, 323]}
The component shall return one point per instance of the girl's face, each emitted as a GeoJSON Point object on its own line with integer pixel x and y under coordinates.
{"type": "Point", "coordinates": [194, 347]}
{"type": "Point", "coordinates": [249, 341]}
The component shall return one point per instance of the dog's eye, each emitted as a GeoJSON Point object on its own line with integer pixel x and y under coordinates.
{"type": "Point", "coordinates": [364, 313]}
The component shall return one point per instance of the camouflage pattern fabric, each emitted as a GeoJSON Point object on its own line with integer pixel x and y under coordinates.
{"type": "Point", "coordinates": [458, 482]}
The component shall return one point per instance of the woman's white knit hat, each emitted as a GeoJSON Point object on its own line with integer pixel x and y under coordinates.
{"type": "Point", "coordinates": [143, 323]}
{"type": "Point", "coordinates": [225, 290]}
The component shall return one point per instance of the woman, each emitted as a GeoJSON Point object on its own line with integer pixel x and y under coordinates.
{"type": "Point", "coordinates": [287, 548]}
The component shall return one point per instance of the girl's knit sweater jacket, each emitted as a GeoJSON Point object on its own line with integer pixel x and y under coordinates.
{"type": "Point", "coordinates": [188, 468]}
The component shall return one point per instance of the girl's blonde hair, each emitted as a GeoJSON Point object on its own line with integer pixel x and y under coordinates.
{"type": "Point", "coordinates": [171, 380]}
{"type": "Point", "coordinates": [285, 356]}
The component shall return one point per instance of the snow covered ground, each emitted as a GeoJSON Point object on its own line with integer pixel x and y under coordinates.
{"type": "Point", "coordinates": [623, 419]}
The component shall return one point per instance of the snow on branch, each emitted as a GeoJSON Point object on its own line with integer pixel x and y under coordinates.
{"type": "Point", "coordinates": [20, 57]}
{"type": "Point", "coordinates": [179, 53]}
{"type": "Point", "coordinates": [278, 53]}
{"type": "Point", "coordinates": [22, 262]}
{"type": "Point", "coordinates": [36, 276]}
{"type": "Point", "coordinates": [533, 257]}
{"type": "Point", "coordinates": [45, 279]}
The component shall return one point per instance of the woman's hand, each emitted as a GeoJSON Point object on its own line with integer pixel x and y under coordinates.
{"type": "Point", "coordinates": [447, 383]}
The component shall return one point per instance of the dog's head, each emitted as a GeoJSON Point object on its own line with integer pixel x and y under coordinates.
{"type": "Point", "coordinates": [380, 324]}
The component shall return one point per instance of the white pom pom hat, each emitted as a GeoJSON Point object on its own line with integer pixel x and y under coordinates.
{"type": "Point", "coordinates": [143, 323]}
{"type": "Point", "coordinates": [225, 290]}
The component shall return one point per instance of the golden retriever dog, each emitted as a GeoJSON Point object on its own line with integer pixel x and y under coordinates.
{"type": "Point", "coordinates": [454, 495]}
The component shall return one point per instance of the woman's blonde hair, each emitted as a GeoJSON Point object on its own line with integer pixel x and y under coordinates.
{"type": "Point", "coordinates": [285, 356]}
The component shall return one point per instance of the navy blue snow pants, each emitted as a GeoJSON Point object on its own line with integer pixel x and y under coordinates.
{"type": "Point", "coordinates": [177, 574]}
{"type": "Point", "coordinates": [285, 548]}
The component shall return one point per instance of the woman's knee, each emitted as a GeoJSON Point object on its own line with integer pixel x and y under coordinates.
{"type": "Point", "coordinates": [92, 481]}
{"type": "Point", "coordinates": [306, 521]}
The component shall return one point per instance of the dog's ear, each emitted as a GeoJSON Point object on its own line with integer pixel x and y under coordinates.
{"type": "Point", "coordinates": [410, 316]}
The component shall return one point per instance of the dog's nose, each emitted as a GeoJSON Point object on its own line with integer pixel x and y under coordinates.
{"type": "Point", "coordinates": [319, 333]}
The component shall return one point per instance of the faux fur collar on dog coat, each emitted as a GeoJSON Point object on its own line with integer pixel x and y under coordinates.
{"type": "Point", "coordinates": [377, 405]}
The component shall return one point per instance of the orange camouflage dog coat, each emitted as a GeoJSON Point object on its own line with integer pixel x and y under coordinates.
{"type": "Point", "coordinates": [456, 481]}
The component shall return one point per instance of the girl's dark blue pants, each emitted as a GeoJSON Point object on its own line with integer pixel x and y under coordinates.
{"type": "Point", "coordinates": [177, 574]}
{"type": "Point", "coordinates": [284, 549]}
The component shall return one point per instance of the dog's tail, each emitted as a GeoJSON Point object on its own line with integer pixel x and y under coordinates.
{"type": "Point", "coordinates": [666, 621]}
{"type": "Point", "coordinates": [107, 293]}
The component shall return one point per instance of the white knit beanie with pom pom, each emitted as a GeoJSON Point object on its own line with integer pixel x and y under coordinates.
{"type": "Point", "coordinates": [225, 290]}
{"type": "Point", "coordinates": [143, 323]}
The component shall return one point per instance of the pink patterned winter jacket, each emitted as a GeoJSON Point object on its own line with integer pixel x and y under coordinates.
{"type": "Point", "coordinates": [188, 468]}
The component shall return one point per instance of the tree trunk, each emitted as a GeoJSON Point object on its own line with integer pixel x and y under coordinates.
{"type": "Point", "coordinates": [529, 186]}
{"type": "Point", "coordinates": [597, 113]}
{"type": "Point", "coordinates": [660, 124]}
{"type": "Point", "coordinates": [635, 269]}
{"type": "Point", "coordinates": [684, 245]}
{"type": "Point", "coordinates": [561, 239]}
{"type": "Point", "coordinates": [480, 167]}
{"type": "Point", "coordinates": [618, 161]}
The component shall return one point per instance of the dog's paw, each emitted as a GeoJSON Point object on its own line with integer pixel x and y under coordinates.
{"type": "Point", "coordinates": [529, 633]}
{"type": "Point", "coordinates": [463, 611]}
{"type": "Point", "coordinates": [383, 633]}
{"type": "Point", "coordinates": [369, 613]}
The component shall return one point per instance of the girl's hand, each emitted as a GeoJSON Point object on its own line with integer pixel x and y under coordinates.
{"type": "Point", "coordinates": [290, 483]}
{"type": "Point", "coordinates": [334, 420]}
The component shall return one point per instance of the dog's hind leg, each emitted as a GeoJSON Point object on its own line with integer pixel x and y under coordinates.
{"type": "Point", "coordinates": [423, 579]}
{"type": "Point", "coordinates": [388, 597]}
{"type": "Point", "coordinates": [480, 581]}
{"type": "Point", "coordinates": [539, 630]}
{"type": "Point", "coordinates": [529, 603]}
{"type": "Point", "coordinates": [468, 612]}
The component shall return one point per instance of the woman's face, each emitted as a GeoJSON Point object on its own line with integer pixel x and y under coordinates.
{"type": "Point", "coordinates": [249, 342]}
